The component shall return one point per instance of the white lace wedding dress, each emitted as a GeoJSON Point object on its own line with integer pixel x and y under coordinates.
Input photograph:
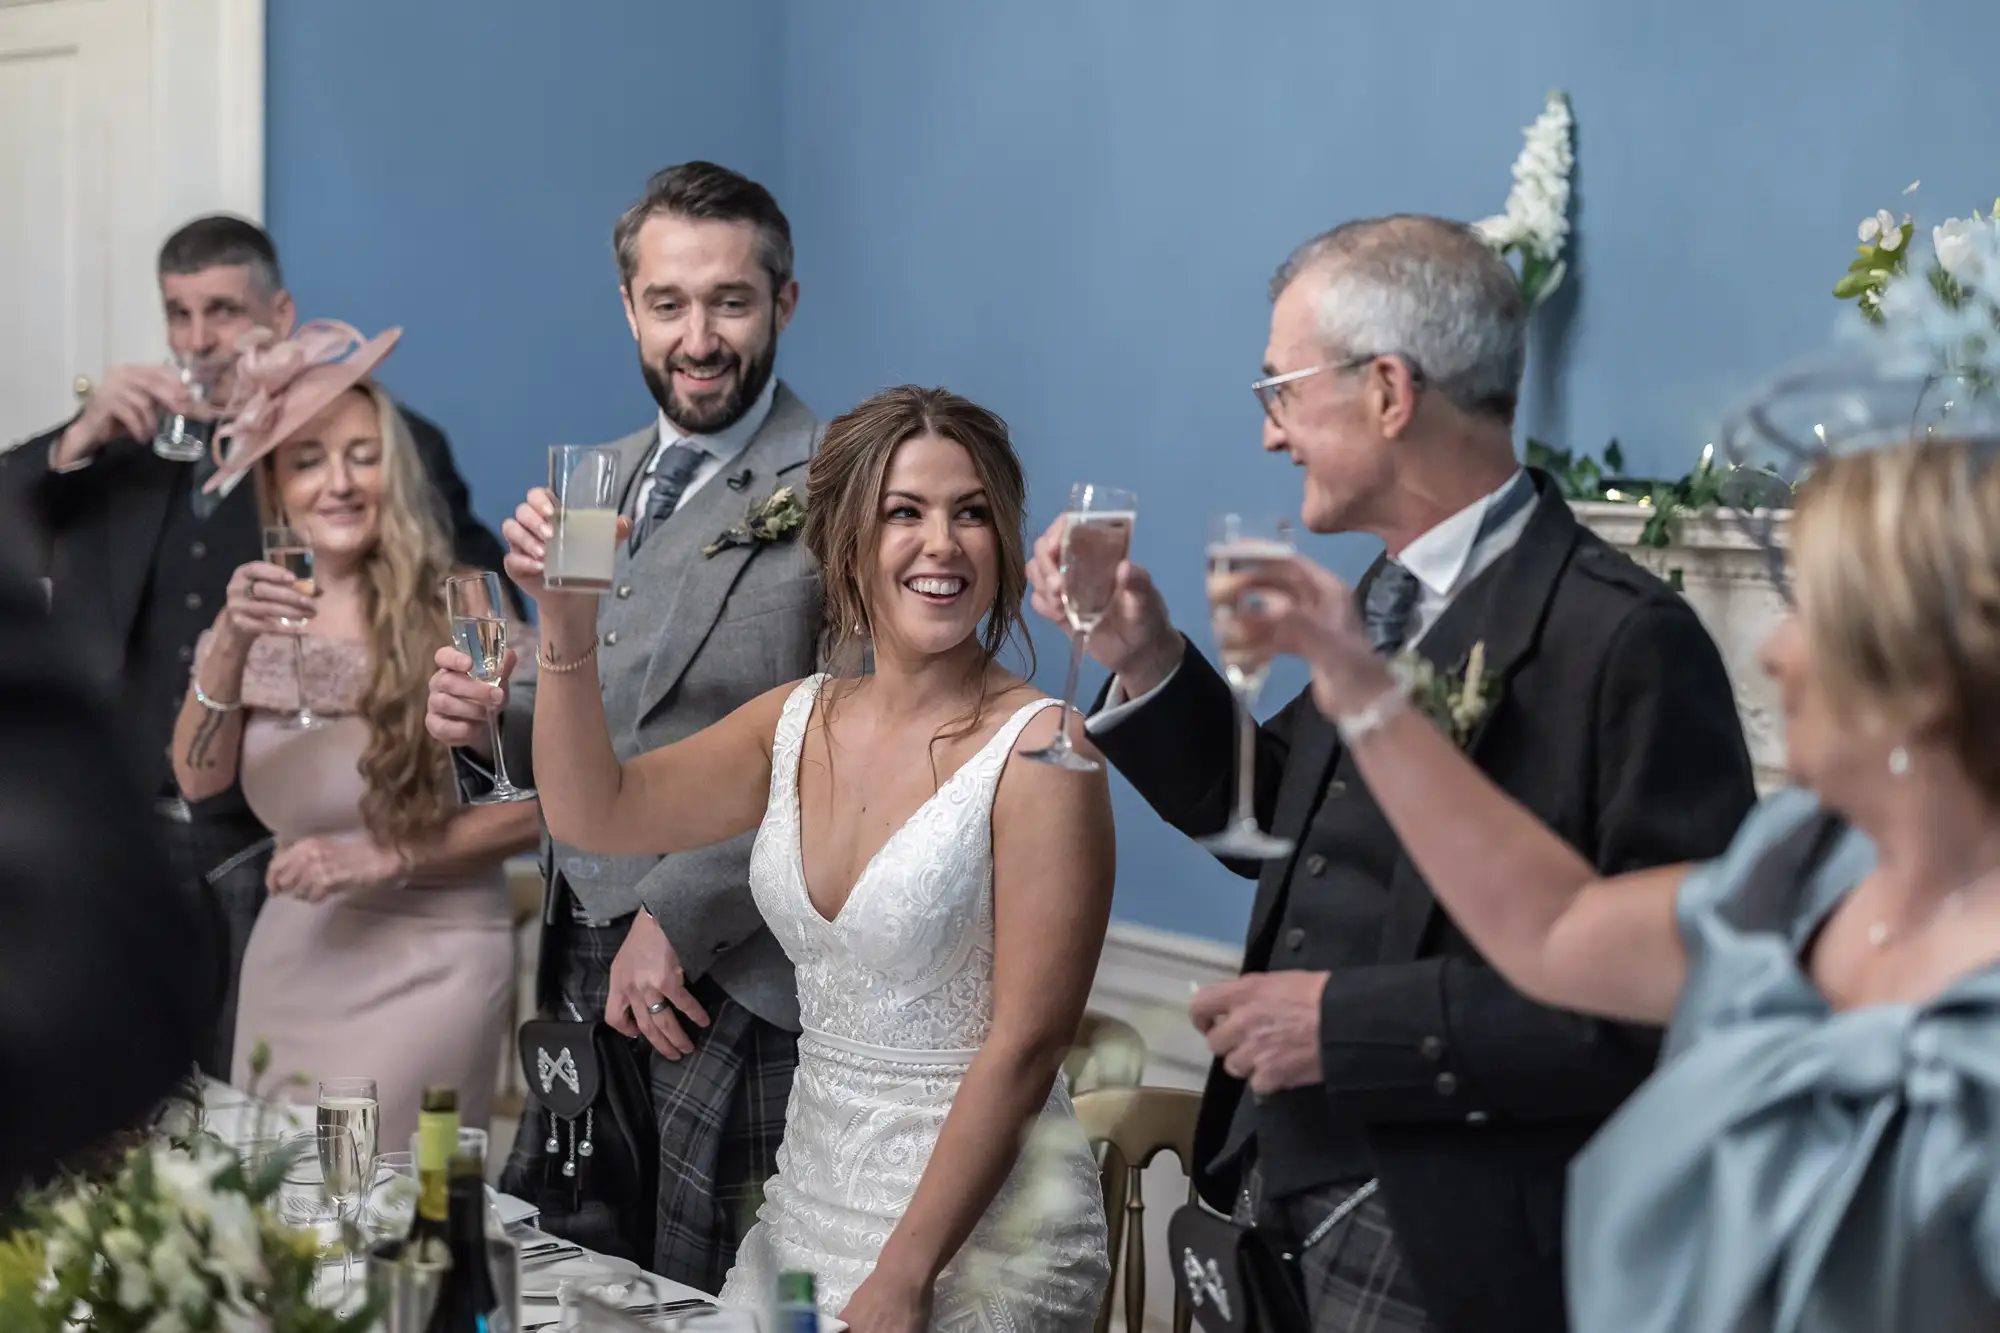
{"type": "Point", "coordinates": [895, 996]}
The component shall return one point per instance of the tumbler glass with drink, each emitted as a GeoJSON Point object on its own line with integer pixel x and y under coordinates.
{"type": "Point", "coordinates": [581, 554]}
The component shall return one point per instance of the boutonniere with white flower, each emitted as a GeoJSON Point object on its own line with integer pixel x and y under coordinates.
{"type": "Point", "coordinates": [772, 519]}
{"type": "Point", "coordinates": [1456, 702]}
{"type": "Point", "coordinates": [1535, 227]}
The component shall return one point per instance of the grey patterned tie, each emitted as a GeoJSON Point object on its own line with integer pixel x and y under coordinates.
{"type": "Point", "coordinates": [1386, 613]}
{"type": "Point", "coordinates": [678, 463]}
{"type": "Point", "coordinates": [1393, 595]}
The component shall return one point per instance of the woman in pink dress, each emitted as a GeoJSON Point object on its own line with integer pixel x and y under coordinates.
{"type": "Point", "coordinates": [385, 949]}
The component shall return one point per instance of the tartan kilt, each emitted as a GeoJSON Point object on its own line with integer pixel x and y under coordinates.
{"type": "Point", "coordinates": [1354, 1277]}
{"type": "Point", "coordinates": [720, 1111]}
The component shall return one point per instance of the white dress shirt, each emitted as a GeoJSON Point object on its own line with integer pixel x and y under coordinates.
{"type": "Point", "coordinates": [1445, 559]}
{"type": "Point", "coordinates": [721, 448]}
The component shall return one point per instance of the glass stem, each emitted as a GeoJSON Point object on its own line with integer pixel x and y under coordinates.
{"type": "Point", "coordinates": [299, 669]}
{"type": "Point", "coordinates": [500, 782]}
{"type": "Point", "coordinates": [1246, 765]}
{"type": "Point", "coordinates": [1076, 646]}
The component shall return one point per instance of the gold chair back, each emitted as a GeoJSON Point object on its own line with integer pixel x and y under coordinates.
{"type": "Point", "coordinates": [1135, 1125]}
{"type": "Point", "coordinates": [1109, 1053]}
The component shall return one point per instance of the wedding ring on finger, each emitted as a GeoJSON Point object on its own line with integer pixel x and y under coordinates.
{"type": "Point", "coordinates": [657, 1006]}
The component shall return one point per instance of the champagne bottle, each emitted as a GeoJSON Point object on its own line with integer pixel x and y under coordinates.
{"type": "Point", "coordinates": [468, 1302]}
{"type": "Point", "coordinates": [437, 1141]}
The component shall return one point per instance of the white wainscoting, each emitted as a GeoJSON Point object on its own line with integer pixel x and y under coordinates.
{"type": "Point", "coordinates": [1146, 978]}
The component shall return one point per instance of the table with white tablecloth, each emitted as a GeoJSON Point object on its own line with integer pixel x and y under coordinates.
{"type": "Point", "coordinates": [238, 1119]}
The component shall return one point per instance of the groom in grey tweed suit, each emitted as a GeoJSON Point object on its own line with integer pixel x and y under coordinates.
{"type": "Point", "coordinates": [673, 950]}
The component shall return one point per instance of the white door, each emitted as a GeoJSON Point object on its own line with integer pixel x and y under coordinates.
{"type": "Point", "coordinates": [119, 119]}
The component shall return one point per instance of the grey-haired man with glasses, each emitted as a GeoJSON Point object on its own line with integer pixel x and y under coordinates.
{"type": "Point", "coordinates": [1411, 1115]}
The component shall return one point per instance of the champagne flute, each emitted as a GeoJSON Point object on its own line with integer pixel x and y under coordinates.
{"type": "Point", "coordinates": [1238, 544]}
{"type": "Point", "coordinates": [479, 628]}
{"type": "Point", "coordinates": [291, 549]}
{"type": "Point", "coordinates": [1097, 536]}
{"type": "Point", "coordinates": [345, 1137]}
{"type": "Point", "coordinates": [350, 1104]}
{"type": "Point", "coordinates": [312, 1196]}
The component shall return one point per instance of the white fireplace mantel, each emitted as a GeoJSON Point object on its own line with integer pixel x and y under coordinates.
{"type": "Point", "coordinates": [1726, 576]}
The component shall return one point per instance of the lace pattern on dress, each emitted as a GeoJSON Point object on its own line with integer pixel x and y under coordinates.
{"type": "Point", "coordinates": [896, 996]}
{"type": "Point", "coordinates": [336, 672]}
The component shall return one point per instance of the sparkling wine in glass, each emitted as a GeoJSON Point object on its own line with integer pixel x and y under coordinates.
{"type": "Point", "coordinates": [1097, 536]}
{"type": "Point", "coordinates": [291, 550]}
{"type": "Point", "coordinates": [479, 629]}
{"type": "Point", "coordinates": [1239, 544]}
{"type": "Point", "coordinates": [350, 1104]}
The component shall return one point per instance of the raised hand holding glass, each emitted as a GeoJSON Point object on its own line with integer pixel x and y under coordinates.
{"type": "Point", "coordinates": [291, 550]}
{"type": "Point", "coordinates": [1237, 543]}
{"type": "Point", "coordinates": [1097, 537]}
{"type": "Point", "coordinates": [478, 614]}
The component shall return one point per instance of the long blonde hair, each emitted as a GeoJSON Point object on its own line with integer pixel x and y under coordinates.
{"type": "Point", "coordinates": [1897, 553]}
{"type": "Point", "coordinates": [410, 792]}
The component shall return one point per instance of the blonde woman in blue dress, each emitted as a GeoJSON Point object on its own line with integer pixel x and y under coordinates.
{"type": "Point", "coordinates": [1820, 1147]}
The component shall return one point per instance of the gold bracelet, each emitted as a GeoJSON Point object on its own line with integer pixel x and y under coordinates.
{"type": "Point", "coordinates": [553, 667]}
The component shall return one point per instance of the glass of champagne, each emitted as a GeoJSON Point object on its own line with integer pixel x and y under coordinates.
{"type": "Point", "coordinates": [584, 549]}
{"type": "Point", "coordinates": [478, 614]}
{"type": "Point", "coordinates": [351, 1104]}
{"type": "Point", "coordinates": [1236, 545]}
{"type": "Point", "coordinates": [1097, 536]}
{"type": "Point", "coordinates": [349, 1113]}
{"type": "Point", "coordinates": [290, 549]}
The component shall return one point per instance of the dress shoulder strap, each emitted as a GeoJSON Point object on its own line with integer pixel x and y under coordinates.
{"type": "Point", "coordinates": [1004, 739]}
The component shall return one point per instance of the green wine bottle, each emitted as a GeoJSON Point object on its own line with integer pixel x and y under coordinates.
{"type": "Point", "coordinates": [437, 1141]}
{"type": "Point", "coordinates": [468, 1301]}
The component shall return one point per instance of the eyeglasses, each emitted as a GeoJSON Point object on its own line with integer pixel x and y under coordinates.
{"type": "Point", "coordinates": [1270, 390]}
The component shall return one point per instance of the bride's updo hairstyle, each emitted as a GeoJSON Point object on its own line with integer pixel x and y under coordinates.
{"type": "Point", "coordinates": [1896, 557]}
{"type": "Point", "coordinates": [844, 514]}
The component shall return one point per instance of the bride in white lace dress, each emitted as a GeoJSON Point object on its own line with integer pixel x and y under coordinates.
{"type": "Point", "coordinates": [944, 906]}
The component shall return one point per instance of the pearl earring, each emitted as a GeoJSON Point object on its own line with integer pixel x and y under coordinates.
{"type": "Point", "coordinates": [1899, 762]}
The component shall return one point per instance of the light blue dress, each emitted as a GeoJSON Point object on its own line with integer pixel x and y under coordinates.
{"type": "Point", "coordinates": [1789, 1167]}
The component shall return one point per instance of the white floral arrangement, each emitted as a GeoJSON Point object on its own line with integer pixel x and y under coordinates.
{"type": "Point", "coordinates": [175, 1238]}
{"type": "Point", "coordinates": [1535, 227]}
{"type": "Point", "coordinates": [1940, 313]}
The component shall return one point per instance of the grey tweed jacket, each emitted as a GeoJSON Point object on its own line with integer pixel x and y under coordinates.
{"type": "Point", "coordinates": [683, 640]}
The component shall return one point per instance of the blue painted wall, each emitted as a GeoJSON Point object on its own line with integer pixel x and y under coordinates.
{"type": "Point", "coordinates": [455, 167]}
{"type": "Point", "coordinates": [1070, 211]}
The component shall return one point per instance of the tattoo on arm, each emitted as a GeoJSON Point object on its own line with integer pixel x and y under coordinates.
{"type": "Point", "coordinates": [205, 731]}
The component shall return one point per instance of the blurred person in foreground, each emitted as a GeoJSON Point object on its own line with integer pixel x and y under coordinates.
{"type": "Point", "coordinates": [386, 949]}
{"type": "Point", "coordinates": [110, 971]}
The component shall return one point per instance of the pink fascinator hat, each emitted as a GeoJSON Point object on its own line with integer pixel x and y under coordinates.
{"type": "Point", "coordinates": [283, 383]}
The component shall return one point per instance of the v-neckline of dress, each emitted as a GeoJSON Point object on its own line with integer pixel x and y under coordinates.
{"type": "Point", "coordinates": [799, 820]}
